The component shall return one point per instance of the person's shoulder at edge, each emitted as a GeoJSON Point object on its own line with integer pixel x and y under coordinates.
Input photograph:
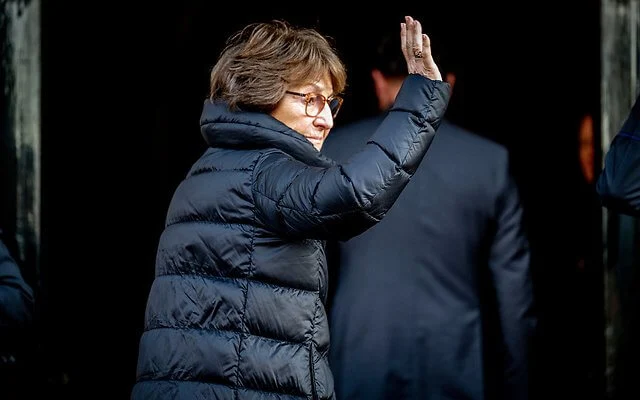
{"type": "Point", "coordinates": [618, 185]}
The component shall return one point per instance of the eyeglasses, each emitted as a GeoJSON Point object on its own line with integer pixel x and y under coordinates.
{"type": "Point", "coordinates": [314, 103]}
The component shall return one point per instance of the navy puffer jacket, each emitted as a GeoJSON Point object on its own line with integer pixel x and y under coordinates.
{"type": "Point", "coordinates": [236, 310]}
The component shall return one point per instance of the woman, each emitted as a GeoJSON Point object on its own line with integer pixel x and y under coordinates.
{"type": "Point", "coordinates": [236, 310]}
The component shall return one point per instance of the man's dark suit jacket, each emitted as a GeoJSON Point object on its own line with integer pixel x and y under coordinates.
{"type": "Point", "coordinates": [435, 302]}
{"type": "Point", "coordinates": [619, 182]}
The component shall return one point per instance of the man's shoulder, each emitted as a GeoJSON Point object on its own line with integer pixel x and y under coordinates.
{"type": "Point", "coordinates": [450, 139]}
{"type": "Point", "coordinates": [344, 140]}
{"type": "Point", "coordinates": [364, 126]}
{"type": "Point", "coordinates": [465, 140]}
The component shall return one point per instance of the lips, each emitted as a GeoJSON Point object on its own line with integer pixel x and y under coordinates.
{"type": "Point", "coordinates": [316, 137]}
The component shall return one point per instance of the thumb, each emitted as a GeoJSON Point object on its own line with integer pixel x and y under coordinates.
{"type": "Point", "coordinates": [431, 68]}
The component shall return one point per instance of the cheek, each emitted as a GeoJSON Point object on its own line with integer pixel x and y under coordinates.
{"type": "Point", "coordinates": [290, 117]}
{"type": "Point", "coordinates": [300, 125]}
{"type": "Point", "coordinates": [296, 126]}
{"type": "Point", "coordinates": [278, 113]}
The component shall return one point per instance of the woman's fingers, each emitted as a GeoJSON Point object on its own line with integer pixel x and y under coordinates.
{"type": "Point", "coordinates": [431, 69]}
{"type": "Point", "coordinates": [411, 37]}
{"type": "Point", "coordinates": [403, 39]}
{"type": "Point", "coordinates": [416, 32]}
{"type": "Point", "coordinates": [408, 44]}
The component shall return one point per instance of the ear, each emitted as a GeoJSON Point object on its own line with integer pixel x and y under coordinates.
{"type": "Point", "coordinates": [450, 78]}
{"type": "Point", "coordinates": [387, 88]}
{"type": "Point", "coordinates": [380, 86]}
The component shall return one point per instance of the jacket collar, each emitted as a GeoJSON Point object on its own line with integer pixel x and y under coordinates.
{"type": "Point", "coordinates": [224, 128]}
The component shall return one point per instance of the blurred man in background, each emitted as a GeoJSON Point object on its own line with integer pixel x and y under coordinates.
{"type": "Point", "coordinates": [435, 302]}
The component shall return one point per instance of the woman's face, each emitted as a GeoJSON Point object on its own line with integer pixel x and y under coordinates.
{"type": "Point", "coordinates": [291, 112]}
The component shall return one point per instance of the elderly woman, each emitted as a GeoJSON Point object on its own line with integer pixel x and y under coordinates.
{"type": "Point", "coordinates": [236, 310]}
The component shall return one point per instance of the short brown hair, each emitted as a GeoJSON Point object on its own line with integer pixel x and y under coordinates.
{"type": "Point", "coordinates": [263, 60]}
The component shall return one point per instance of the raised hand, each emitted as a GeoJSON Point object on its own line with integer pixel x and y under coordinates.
{"type": "Point", "coordinates": [416, 47]}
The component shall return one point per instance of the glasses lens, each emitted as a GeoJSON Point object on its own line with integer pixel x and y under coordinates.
{"type": "Point", "coordinates": [315, 104]}
{"type": "Point", "coordinates": [334, 105]}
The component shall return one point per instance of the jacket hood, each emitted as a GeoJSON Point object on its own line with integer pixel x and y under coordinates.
{"type": "Point", "coordinates": [224, 128]}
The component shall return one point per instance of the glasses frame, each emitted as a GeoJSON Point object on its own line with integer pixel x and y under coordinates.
{"type": "Point", "coordinates": [325, 101]}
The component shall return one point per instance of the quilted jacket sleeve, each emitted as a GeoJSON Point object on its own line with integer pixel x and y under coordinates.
{"type": "Point", "coordinates": [619, 182]}
{"type": "Point", "coordinates": [342, 201]}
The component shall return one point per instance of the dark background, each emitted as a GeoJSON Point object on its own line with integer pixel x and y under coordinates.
{"type": "Point", "coordinates": [122, 89]}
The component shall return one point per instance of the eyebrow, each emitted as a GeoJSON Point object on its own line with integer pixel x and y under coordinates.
{"type": "Point", "coordinates": [317, 89]}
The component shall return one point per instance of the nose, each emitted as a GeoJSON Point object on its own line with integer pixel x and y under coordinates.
{"type": "Point", "coordinates": [325, 118]}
